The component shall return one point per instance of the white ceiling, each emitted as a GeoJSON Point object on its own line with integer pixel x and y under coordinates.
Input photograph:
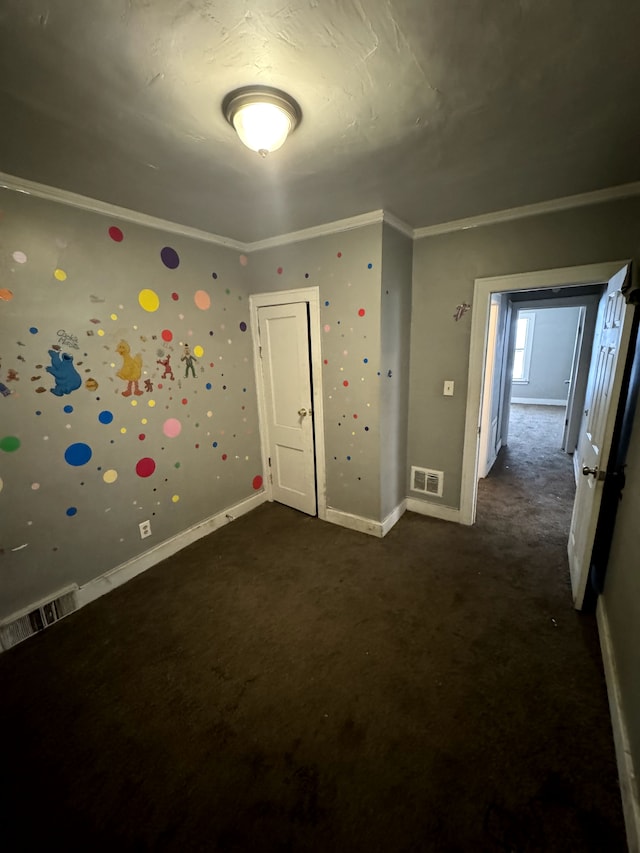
{"type": "Point", "coordinates": [431, 109]}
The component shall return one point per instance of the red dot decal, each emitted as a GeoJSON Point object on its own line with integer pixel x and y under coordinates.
{"type": "Point", "coordinates": [224, 456]}
{"type": "Point", "coordinates": [116, 234]}
{"type": "Point", "coordinates": [279, 270]}
{"type": "Point", "coordinates": [184, 401]}
{"type": "Point", "coordinates": [142, 436]}
{"type": "Point", "coordinates": [326, 361]}
{"type": "Point", "coordinates": [257, 482]}
{"type": "Point", "coordinates": [167, 335]}
{"type": "Point", "coordinates": [361, 312]}
{"type": "Point", "coordinates": [346, 383]}
{"type": "Point", "coordinates": [356, 417]}
{"type": "Point", "coordinates": [339, 254]}
{"type": "Point", "coordinates": [145, 467]}
{"type": "Point", "coordinates": [175, 297]}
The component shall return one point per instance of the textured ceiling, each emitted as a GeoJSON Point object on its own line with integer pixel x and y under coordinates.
{"type": "Point", "coordinates": [431, 109]}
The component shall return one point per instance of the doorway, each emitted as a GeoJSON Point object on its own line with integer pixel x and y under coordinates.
{"type": "Point", "coordinates": [613, 331]}
{"type": "Point", "coordinates": [285, 328]}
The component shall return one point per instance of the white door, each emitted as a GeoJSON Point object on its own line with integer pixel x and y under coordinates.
{"type": "Point", "coordinates": [284, 354]}
{"type": "Point", "coordinates": [607, 366]}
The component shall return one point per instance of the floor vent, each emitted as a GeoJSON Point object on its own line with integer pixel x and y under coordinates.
{"type": "Point", "coordinates": [24, 625]}
{"type": "Point", "coordinates": [427, 481]}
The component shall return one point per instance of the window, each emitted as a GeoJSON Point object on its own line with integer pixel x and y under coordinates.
{"type": "Point", "coordinates": [523, 346]}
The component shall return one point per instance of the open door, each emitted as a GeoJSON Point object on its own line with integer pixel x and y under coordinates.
{"type": "Point", "coordinates": [611, 342]}
{"type": "Point", "coordinates": [286, 378]}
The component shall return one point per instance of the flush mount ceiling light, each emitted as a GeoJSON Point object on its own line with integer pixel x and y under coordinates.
{"type": "Point", "coordinates": [262, 117]}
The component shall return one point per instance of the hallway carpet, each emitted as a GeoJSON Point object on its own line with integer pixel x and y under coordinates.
{"type": "Point", "coordinates": [288, 685]}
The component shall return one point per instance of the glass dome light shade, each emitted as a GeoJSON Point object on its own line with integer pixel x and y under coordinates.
{"type": "Point", "coordinates": [262, 117]}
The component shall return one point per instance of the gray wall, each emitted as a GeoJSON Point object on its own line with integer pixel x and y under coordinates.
{"type": "Point", "coordinates": [65, 522]}
{"type": "Point", "coordinates": [554, 338]}
{"type": "Point", "coordinates": [397, 250]}
{"type": "Point", "coordinates": [444, 270]}
{"type": "Point", "coordinates": [347, 268]}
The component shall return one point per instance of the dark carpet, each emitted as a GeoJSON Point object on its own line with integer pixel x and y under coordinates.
{"type": "Point", "coordinates": [285, 685]}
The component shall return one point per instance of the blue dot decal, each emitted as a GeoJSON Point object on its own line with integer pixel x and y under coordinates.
{"type": "Point", "coordinates": [369, 266]}
{"type": "Point", "coordinates": [68, 409]}
{"type": "Point", "coordinates": [105, 417]}
{"type": "Point", "coordinates": [243, 326]}
{"type": "Point", "coordinates": [215, 444]}
{"type": "Point", "coordinates": [208, 386]}
{"type": "Point", "coordinates": [77, 454]}
{"type": "Point", "coordinates": [72, 511]}
{"type": "Point", "coordinates": [366, 360]}
{"type": "Point", "coordinates": [170, 258]}
{"type": "Point", "coordinates": [327, 303]}
{"type": "Point", "coordinates": [33, 330]}
{"type": "Point", "coordinates": [214, 275]}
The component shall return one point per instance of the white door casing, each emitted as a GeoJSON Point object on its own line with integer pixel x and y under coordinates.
{"type": "Point", "coordinates": [608, 361]}
{"type": "Point", "coordinates": [287, 359]}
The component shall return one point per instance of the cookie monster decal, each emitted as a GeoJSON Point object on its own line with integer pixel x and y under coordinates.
{"type": "Point", "coordinates": [66, 376]}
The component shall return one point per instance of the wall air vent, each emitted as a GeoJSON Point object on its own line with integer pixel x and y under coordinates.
{"type": "Point", "coordinates": [25, 624]}
{"type": "Point", "coordinates": [427, 481]}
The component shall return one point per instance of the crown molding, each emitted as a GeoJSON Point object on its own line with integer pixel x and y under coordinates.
{"type": "Point", "coordinates": [352, 222]}
{"type": "Point", "coordinates": [398, 224]}
{"type": "Point", "coordinates": [21, 185]}
{"type": "Point", "coordinates": [553, 206]}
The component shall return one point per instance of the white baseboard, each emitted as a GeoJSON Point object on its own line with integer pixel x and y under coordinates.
{"type": "Point", "coordinates": [538, 401]}
{"type": "Point", "coordinates": [365, 525]}
{"type": "Point", "coordinates": [445, 513]}
{"type": "Point", "coordinates": [121, 574]}
{"type": "Point", "coordinates": [624, 759]}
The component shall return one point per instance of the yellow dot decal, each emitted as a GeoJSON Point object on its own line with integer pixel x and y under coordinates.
{"type": "Point", "coordinates": [175, 498]}
{"type": "Point", "coordinates": [123, 430]}
{"type": "Point", "coordinates": [60, 275]}
{"type": "Point", "coordinates": [143, 421]}
{"type": "Point", "coordinates": [134, 402]}
{"type": "Point", "coordinates": [149, 300]}
{"type": "Point", "coordinates": [101, 332]}
{"type": "Point", "coordinates": [198, 351]}
{"type": "Point", "coordinates": [114, 316]}
{"type": "Point", "coordinates": [151, 403]}
{"type": "Point", "coordinates": [110, 476]}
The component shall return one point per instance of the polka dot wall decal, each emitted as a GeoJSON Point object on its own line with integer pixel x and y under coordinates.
{"type": "Point", "coordinates": [114, 316]}
{"type": "Point", "coordinates": [346, 383]}
{"type": "Point", "coordinates": [184, 401]}
{"type": "Point", "coordinates": [123, 430]}
{"type": "Point", "coordinates": [19, 257]}
{"type": "Point", "coordinates": [224, 457]}
{"type": "Point", "coordinates": [35, 486]}
{"type": "Point", "coordinates": [145, 467]}
{"type": "Point", "coordinates": [257, 482]}
{"type": "Point", "coordinates": [105, 417]}
{"type": "Point", "coordinates": [143, 421]}
{"type": "Point", "coordinates": [5, 294]}
{"type": "Point", "coordinates": [110, 476]}
{"type": "Point", "coordinates": [243, 260]}
{"type": "Point", "coordinates": [71, 511]}
{"type": "Point", "coordinates": [68, 409]}
{"type": "Point", "coordinates": [365, 360]}
{"type": "Point", "coordinates": [151, 403]}
{"type": "Point", "coordinates": [167, 335]}
{"type": "Point", "coordinates": [243, 326]}
{"type": "Point", "coordinates": [33, 330]}
{"type": "Point", "coordinates": [60, 274]}
{"type": "Point", "coordinates": [361, 312]}
{"type": "Point", "coordinates": [77, 454]}
{"type": "Point", "coordinates": [116, 234]}
{"type": "Point", "coordinates": [327, 328]}
{"type": "Point", "coordinates": [9, 443]}
{"type": "Point", "coordinates": [202, 300]}
{"type": "Point", "coordinates": [172, 427]}
{"type": "Point", "coordinates": [198, 351]}
{"type": "Point", "coordinates": [208, 386]}
{"type": "Point", "coordinates": [175, 498]}
{"type": "Point", "coordinates": [134, 402]}
{"type": "Point", "coordinates": [149, 300]}
{"type": "Point", "coordinates": [369, 266]}
{"type": "Point", "coordinates": [214, 275]}
{"type": "Point", "coordinates": [100, 333]}
{"type": "Point", "coordinates": [175, 297]}
{"type": "Point", "coordinates": [339, 254]}
{"type": "Point", "coordinates": [170, 258]}
{"type": "Point", "coordinates": [279, 270]}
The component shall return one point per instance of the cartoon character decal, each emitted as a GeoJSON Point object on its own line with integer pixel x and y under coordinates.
{"type": "Point", "coordinates": [66, 376]}
{"type": "Point", "coordinates": [189, 360]}
{"type": "Point", "coordinates": [168, 370]}
{"type": "Point", "coordinates": [131, 369]}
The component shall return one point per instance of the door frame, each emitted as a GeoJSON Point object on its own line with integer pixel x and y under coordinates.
{"type": "Point", "coordinates": [310, 295]}
{"type": "Point", "coordinates": [483, 288]}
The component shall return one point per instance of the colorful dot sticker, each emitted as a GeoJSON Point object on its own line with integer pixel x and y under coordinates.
{"type": "Point", "coordinates": [19, 257]}
{"type": "Point", "coordinates": [9, 443]}
{"type": "Point", "coordinates": [71, 511]}
{"type": "Point", "coordinates": [361, 312]}
{"type": "Point", "coordinates": [116, 234]}
{"type": "Point", "coordinates": [110, 476]}
{"type": "Point", "coordinates": [78, 454]}
{"type": "Point", "coordinates": [170, 258]}
{"type": "Point", "coordinates": [175, 498]}
{"type": "Point", "coordinates": [172, 428]}
{"type": "Point", "coordinates": [149, 300]}
{"type": "Point", "coordinates": [33, 330]}
{"type": "Point", "coordinates": [5, 294]}
{"type": "Point", "coordinates": [243, 326]}
{"type": "Point", "coordinates": [167, 335]}
{"type": "Point", "coordinates": [145, 467]}
{"type": "Point", "coordinates": [105, 417]}
{"type": "Point", "coordinates": [202, 300]}
{"type": "Point", "coordinates": [60, 275]}
{"type": "Point", "coordinates": [243, 260]}
{"type": "Point", "coordinates": [257, 482]}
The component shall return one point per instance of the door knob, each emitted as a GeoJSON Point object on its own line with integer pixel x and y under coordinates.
{"type": "Point", "coordinates": [302, 412]}
{"type": "Point", "coordinates": [594, 472]}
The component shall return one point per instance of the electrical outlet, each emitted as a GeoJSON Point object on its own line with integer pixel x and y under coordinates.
{"type": "Point", "coordinates": [145, 529]}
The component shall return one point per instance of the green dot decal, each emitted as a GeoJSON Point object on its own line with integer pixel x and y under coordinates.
{"type": "Point", "coordinates": [9, 443]}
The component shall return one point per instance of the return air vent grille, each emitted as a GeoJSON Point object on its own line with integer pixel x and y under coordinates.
{"type": "Point", "coordinates": [24, 625]}
{"type": "Point", "coordinates": [427, 481]}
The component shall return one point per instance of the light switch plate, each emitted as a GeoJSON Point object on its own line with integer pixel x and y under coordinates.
{"type": "Point", "coordinates": [448, 388]}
